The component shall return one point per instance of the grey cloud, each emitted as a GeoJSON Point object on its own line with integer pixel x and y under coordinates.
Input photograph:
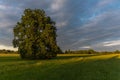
{"type": "Point", "coordinates": [10, 13]}
{"type": "Point", "coordinates": [103, 27]}
{"type": "Point", "coordinates": [80, 23]}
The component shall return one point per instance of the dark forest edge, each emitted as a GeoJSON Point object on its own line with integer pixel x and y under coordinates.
{"type": "Point", "coordinates": [4, 51]}
{"type": "Point", "coordinates": [91, 51]}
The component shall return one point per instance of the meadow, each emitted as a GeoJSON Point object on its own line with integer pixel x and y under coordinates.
{"type": "Point", "coordinates": [63, 67]}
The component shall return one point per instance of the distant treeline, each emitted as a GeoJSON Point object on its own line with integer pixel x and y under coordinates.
{"type": "Point", "coordinates": [7, 51]}
{"type": "Point", "coordinates": [90, 51]}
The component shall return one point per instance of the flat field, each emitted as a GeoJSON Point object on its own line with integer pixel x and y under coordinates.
{"type": "Point", "coordinates": [63, 67]}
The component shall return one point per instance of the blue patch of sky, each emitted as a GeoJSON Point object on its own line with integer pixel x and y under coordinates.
{"type": "Point", "coordinates": [89, 15]}
{"type": "Point", "coordinates": [1, 2]}
{"type": "Point", "coordinates": [111, 6]}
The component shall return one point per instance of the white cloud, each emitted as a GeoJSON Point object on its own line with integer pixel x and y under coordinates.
{"type": "Point", "coordinates": [57, 4]}
{"type": "Point", "coordinates": [5, 24]}
{"type": "Point", "coordinates": [112, 43]}
{"type": "Point", "coordinates": [104, 2]}
{"type": "Point", "coordinates": [7, 47]}
{"type": "Point", "coordinates": [61, 24]}
{"type": "Point", "coordinates": [3, 7]}
{"type": "Point", "coordinates": [85, 47]}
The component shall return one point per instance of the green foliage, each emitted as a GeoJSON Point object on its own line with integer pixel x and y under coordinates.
{"type": "Point", "coordinates": [35, 35]}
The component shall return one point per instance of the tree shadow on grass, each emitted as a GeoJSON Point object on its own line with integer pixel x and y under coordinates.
{"type": "Point", "coordinates": [9, 59]}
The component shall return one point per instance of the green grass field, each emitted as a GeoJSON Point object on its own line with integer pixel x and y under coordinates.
{"type": "Point", "coordinates": [64, 67]}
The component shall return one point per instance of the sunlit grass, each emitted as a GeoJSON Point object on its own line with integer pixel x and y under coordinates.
{"type": "Point", "coordinates": [5, 55]}
{"type": "Point", "coordinates": [64, 67]}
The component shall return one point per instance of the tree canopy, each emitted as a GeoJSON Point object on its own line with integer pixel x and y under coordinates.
{"type": "Point", "coordinates": [35, 35]}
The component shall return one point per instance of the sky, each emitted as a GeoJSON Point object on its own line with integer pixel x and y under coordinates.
{"type": "Point", "coordinates": [81, 24]}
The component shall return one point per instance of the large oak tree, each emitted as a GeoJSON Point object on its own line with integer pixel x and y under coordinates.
{"type": "Point", "coordinates": [35, 35]}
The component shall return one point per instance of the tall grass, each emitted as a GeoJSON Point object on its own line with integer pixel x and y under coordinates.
{"type": "Point", "coordinates": [64, 67]}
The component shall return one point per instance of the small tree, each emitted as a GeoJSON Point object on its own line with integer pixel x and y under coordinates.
{"type": "Point", "coordinates": [35, 35]}
{"type": "Point", "coordinates": [91, 51]}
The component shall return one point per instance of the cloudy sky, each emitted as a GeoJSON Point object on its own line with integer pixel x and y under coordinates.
{"type": "Point", "coordinates": [81, 24]}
